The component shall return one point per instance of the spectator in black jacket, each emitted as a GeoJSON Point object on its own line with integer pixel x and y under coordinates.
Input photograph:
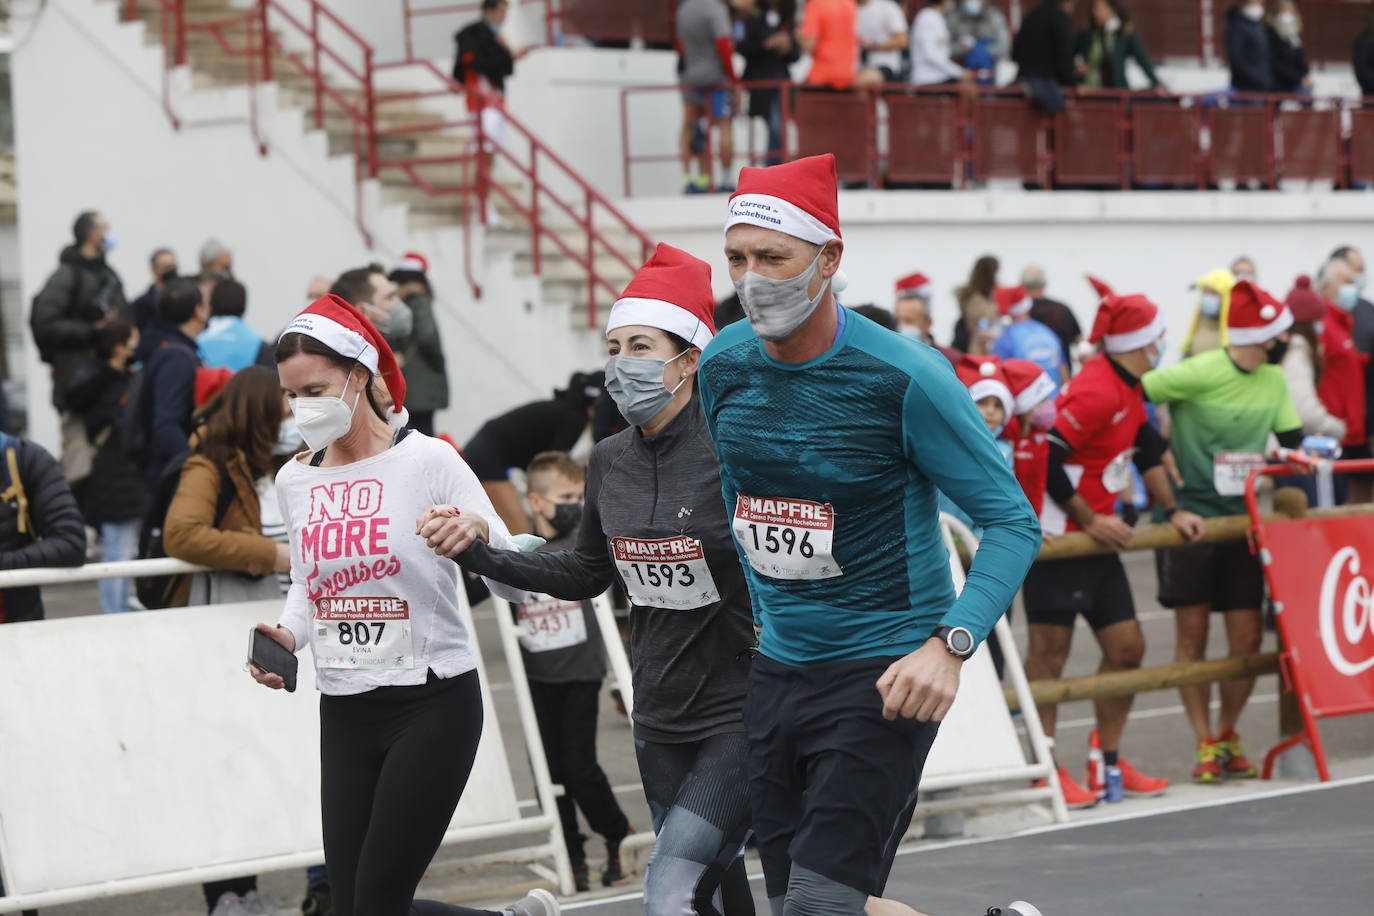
{"type": "Point", "coordinates": [82, 294]}
{"type": "Point", "coordinates": [1103, 48]}
{"type": "Point", "coordinates": [168, 389]}
{"type": "Point", "coordinates": [1247, 48]}
{"type": "Point", "coordinates": [164, 266]}
{"type": "Point", "coordinates": [769, 48]}
{"type": "Point", "coordinates": [40, 525]}
{"type": "Point", "coordinates": [115, 495]}
{"type": "Point", "coordinates": [1362, 58]}
{"type": "Point", "coordinates": [1287, 60]}
{"type": "Point", "coordinates": [482, 49]}
{"type": "Point", "coordinates": [1043, 52]}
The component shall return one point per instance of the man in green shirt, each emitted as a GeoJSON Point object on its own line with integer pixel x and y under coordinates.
{"type": "Point", "coordinates": [1224, 404]}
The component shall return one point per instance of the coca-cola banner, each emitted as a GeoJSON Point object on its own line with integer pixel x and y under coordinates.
{"type": "Point", "coordinates": [1321, 572]}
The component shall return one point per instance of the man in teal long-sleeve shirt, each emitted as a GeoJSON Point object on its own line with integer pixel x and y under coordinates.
{"type": "Point", "coordinates": [833, 436]}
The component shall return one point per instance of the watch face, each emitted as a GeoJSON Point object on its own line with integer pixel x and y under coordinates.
{"type": "Point", "coordinates": [960, 641]}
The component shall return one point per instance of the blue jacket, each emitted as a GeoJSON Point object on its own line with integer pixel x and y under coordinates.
{"type": "Point", "coordinates": [1247, 52]}
{"type": "Point", "coordinates": [169, 387]}
{"type": "Point", "coordinates": [230, 343]}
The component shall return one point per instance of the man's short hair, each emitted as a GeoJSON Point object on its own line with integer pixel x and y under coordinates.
{"type": "Point", "coordinates": [178, 302]}
{"type": "Point", "coordinates": [1033, 277]}
{"type": "Point", "coordinates": [355, 286]}
{"type": "Point", "coordinates": [547, 467]}
{"type": "Point", "coordinates": [84, 225]}
{"type": "Point", "coordinates": [212, 250]}
{"type": "Point", "coordinates": [489, 5]}
{"type": "Point", "coordinates": [1324, 272]}
{"type": "Point", "coordinates": [229, 298]}
{"type": "Point", "coordinates": [878, 315]}
{"type": "Point", "coordinates": [157, 253]}
{"type": "Point", "coordinates": [1343, 253]}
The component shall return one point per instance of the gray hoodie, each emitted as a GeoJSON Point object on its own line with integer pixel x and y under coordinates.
{"type": "Point", "coordinates": [689, 666]}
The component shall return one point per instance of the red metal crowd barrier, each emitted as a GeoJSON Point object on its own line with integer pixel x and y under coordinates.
{"type": "Point", "coordinates": [900, 136]}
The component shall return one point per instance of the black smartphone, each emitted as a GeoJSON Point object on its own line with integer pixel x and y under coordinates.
{"type": "Point", "coordinates": [272, 657]}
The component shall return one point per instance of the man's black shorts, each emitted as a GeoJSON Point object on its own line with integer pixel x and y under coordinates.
{"type": "Point", "coordinates": [832, 783]}
{"type": "Point", "coordinates": [1227, 576]}
{"type": "Point", "coordinates": [1057, 591]}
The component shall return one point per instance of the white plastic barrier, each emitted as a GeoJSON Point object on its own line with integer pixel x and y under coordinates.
{"type": "Point", "coordinates": [137, 754]}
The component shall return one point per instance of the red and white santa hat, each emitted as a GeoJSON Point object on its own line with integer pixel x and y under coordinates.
{"type": "Point", "coordinates": [800, 198]}
{"type": "Point", "coordinates": [671, 292]}
{"type": "Point", "coordinates": [916, 285]}
{"type": "Point", "coordinates": [1126, 323]}
{"type": "Point", "coordinates": [984, 378]}
{"type": "Point", "coordinates": [1255, 317]}
{"type": "Point", "coordinates": [413, 260]}
{"type": "Point", "coordinates": [1029, 384]}
{"type": "Point", "coordinates": [1100, 287]}
{"type": "Point", "coordinates": [344, 329]}
{"type": "Point", "coordinates": [1012, 300]}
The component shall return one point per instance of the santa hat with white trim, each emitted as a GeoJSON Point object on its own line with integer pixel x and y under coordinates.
{"type": "Point", "coordinates": [1126, 323]}
{"type": "Point", "coordinates": [800, 198]}
{"type": "Point", "coordinates": [1255, 317]}
{"type": "Point", "coordinates": [1100, 287]}
{"type": "Point", "coordinates": [984, 378]}
{"type": "Point", "coordinates": [1029, 384]}
{"type": "Point", "coordinates": [671, 292]}
{"type": "Point", "coordinates": [1012, 300]}
{"type": "Point", "coordinates": [413, 261]}
{"type": "Point", "coordinates": [344, 329]}
{"type": "Point", "coordinates": [916, 285]}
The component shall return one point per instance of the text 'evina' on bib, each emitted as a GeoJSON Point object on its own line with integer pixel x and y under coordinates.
{"type": "Point", "coordinates": [787, 538]}
{"type": "Point", "coordinates": [549, 623]}
{"type": "Point", "coordinates": [362, 633]}
{"type": "Point", "coordinates": [669, 573]}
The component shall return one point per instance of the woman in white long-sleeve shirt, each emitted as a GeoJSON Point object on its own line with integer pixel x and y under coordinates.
{"type": "Point", "coordinates": [931, 61]}
{"type": "Point", "coordinates": [401, 711]}
{"type": "Point", "coordinates": [1302, 363]}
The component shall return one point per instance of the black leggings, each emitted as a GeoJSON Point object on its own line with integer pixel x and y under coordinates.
{"type": "Point", "coordinates": [698, 795]}
{"type": "Point", "coordinates": [393, 764]}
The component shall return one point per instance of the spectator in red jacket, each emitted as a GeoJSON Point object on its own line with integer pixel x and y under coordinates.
{"type": "Point", "coordinates": [1342, 386]}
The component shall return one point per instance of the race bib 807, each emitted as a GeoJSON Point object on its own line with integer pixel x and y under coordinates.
{"type": "Point", "coordinates": [362, 633]}
{"type": "Point", "coordinates": [787, 538]}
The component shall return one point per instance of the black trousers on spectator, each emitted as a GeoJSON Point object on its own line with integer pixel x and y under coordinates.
{"type": "Point", "coordinates": [567, 725]}
{"type": "Point", "coordinates": [393, 764]}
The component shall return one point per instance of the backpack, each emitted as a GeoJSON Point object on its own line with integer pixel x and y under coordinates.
{"type": "Point", "coordinates": [155, 592]}
{"type": "Point", "coordinates": [14, 483]}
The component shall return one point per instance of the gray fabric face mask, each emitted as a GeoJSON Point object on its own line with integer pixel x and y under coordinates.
{"type": "Point", "coordinates": [776, 308]}
{"type": "Point", "coordinates": [635, 383]}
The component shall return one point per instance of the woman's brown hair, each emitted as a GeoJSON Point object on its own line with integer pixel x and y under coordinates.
{"type": "Point", "coordinates": [291, 344]}
{"type": "Point", "coordinates": [245, 418]}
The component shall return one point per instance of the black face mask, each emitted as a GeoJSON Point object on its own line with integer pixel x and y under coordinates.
{"type": "Point", "coordinates": [1276, 352]}
{"type": "Point", "coordinates": [168, 275]}
{"type": "Point", "coordinates": [566, 518]}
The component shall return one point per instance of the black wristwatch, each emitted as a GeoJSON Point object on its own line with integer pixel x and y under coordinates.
{"type": "Point", "coordinates": [958, 641]}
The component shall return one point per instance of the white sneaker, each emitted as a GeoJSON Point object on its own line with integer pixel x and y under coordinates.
{"type": "Point", "coordinates": [230, 904]}
{"type": "Point", "coordinates": [540, 902]}
{"type": "Point", "coordinates": [258, 905]}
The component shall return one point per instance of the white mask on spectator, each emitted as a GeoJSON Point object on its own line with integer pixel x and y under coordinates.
{"type": "Point", "coordinates": [1113, 25]}
{"type": "Point", "coordinates": [1253, 11]}
{"type": "Point", "coordinates": [972, 7]}
{"type": "Point", "coordinates": [1287, 22]}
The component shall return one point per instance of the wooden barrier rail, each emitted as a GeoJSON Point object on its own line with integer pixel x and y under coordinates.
{"type": "Point", "coordinates": [1143, 680]}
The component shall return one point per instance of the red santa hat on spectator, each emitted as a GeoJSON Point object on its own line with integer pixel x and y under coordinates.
{"type": "Point", "coordinates": [800, 198]}
{"type": "Point", "coordinates": [1126, 323]}
{"type": "Point", "coordinates": [1012, 300]}
{"type": "Point", "coordinates": [916, 285]}
{"type": "Point", "coordinates": [671, 292]}
{"type": "Point", "coordinates": [344, 329]}
{"type": "Point", "coordinates": [984, 378]}
{"type": "Point", "coordinates": [1029, 384]}
{"type": "Point", "coordinates": [1255, 317]}
{"type": "Point", "coordinates": [1102, 289]}
{"type": "Point", "coordinates": [1304, 302]}
{"type": "Point", "coordinates": [412, 260]}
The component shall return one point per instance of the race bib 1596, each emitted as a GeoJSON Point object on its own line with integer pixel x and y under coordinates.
{"type": "Point", "coordinates": [362, 633]}
{"type": "Point", "coordinates": [669, 573]}
{"type": "Point", "coordinates": [787, 538]}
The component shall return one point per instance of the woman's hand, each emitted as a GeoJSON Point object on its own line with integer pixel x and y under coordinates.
{"type": "Point", "coordinates": [450, 531]}
{"type": "Point", "coordinates": [283, 564]}
{"type": "Point", "coordinates": [288, 640]}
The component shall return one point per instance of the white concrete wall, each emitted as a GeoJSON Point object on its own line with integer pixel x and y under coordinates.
{"type": "Point", "coordinates": [1155, 244]}
{"type": "Point", "coordinates": [91, 133]}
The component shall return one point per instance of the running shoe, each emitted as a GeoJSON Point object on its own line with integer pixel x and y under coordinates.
{"type": "Point", "coordinates": [537, 902]}
{"type": "Point", "coordinates": [1016, 908]}
{"type": "Point", "coordinates": [1209, 760]}
{"type": "Point", "coordinates": [318, 902]}
{"type": "Point", "coordinates": [1134, 782]}
{"type": "Point", "coordinates": [614, 873]}
{"type": "Point", "coordinates": [1075, 796]}
{"type": "Point", "coordinates": [1232, 757]}
{"type": "Point", "coordinates": [229, 904]}
{"type": "Point", "coordinates": [582, 877]}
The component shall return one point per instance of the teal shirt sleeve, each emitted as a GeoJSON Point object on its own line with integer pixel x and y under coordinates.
{"type": "Point", "coordinates": [946, 439]}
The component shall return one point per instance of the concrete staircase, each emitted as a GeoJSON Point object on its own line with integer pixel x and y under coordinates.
{"type": "Point", "coordinates": [562, 280]}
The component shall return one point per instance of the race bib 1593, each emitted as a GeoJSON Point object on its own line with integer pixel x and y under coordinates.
{"type": "Point", "coordinates": [787, 538]}
{"type": "Point", "coordinates": [668, 573]}
{"type": "Point", "coordinates": [362, 633]}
